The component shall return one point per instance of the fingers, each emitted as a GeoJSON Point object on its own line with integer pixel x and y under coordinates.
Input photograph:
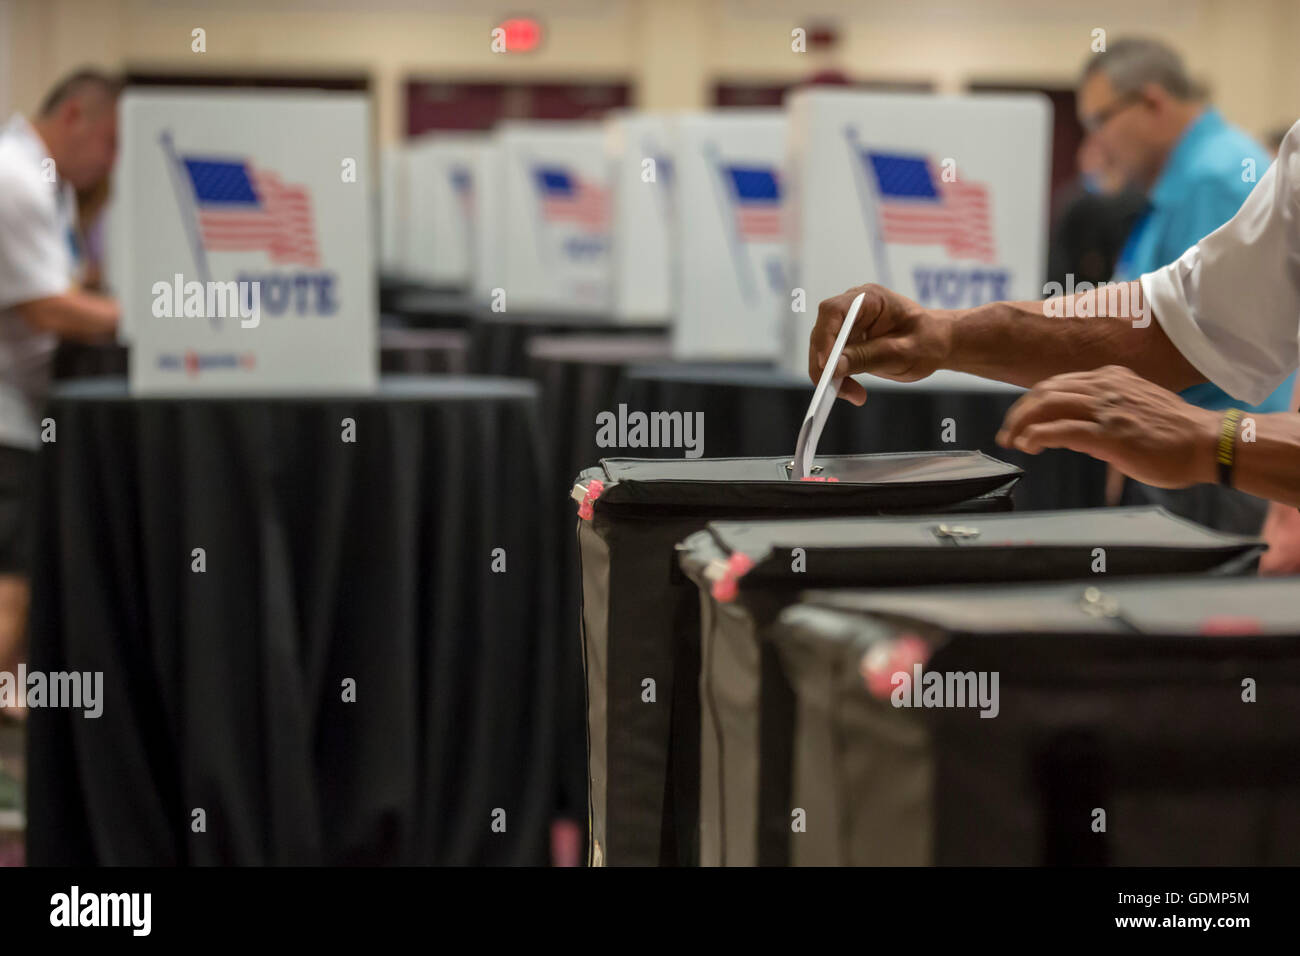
{"type": "Point", "coordinates": [1094, 381]}
{"type": "Point", "coordinates": [1093, 396]}
{"type": "Point", "coordinates": [830, 318]}
{"type": "Point", "coordinates": [852, 391]}
{"type": "Point", "coordinates": [1090, 438]}
{"type": "Point", "coordinates": [1039, 406]}
{"type": "Point", "coordinates": [874, 309]}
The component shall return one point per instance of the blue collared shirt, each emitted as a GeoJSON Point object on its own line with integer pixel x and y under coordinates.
{"type": "Point", "coordinates": [1207, 177]}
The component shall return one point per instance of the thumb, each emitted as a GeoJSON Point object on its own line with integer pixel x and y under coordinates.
{"type": "Point", "coordinates": [870, 356]}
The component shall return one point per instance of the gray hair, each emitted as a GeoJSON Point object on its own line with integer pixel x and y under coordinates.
{"type": "Point", "coordinates": [86, 80]}
{"type": "Point", "coordinates": [1133, 62]}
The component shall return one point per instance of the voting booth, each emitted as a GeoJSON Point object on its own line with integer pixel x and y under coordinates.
{"type": "Point", "coordinates": [246, 264]}
{"type": "Point", "coordinates": [918, 193]}
{"type": "Point", "coordinates": [441, 174]}
{"type": "Point", "coordinates": [556, 218]}
{"type": "Point", "coordinates": [730, 268]}
{"type": "Point", "coordinates": [640, 616]}
{"type": "Point", "coordinates": [747, 572]}
{"type": "Point", "coordinates": [642, 227]}
{"type": "Point", "coordinates": [392, 207]}
{"type": "Point", "coordinates": [1120, 723]}
{"type": "Point", "coordinates": [487, 261]}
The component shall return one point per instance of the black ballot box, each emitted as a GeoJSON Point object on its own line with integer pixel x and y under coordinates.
{"type": "Point", "coordinates": [640, 615]}
{"type": "Point", "coordinates": [748, 571]}
{"type": "Point", "coordinates": [764, 405]}
{"type": "Point", "coordinates": [1144, 722]}
{"type": "Point", "coordinates": [577, 376]}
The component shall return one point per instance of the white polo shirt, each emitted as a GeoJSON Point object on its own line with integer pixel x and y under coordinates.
{"type": "Point", "coordinates": [1231, 303]}
{"type": "Point", "coordinates": [38, 258]}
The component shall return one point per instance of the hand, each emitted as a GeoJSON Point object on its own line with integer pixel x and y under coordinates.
{"type": "Point", "coordinates": [1113, 414]}
{"type": "Point", "coordinates": [892, 337]}
{"type": "Point", "coordinates": [1282, 532]}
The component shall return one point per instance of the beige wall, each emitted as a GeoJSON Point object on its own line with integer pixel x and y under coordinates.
{"type": "Point", "coordinates": [671, 50]}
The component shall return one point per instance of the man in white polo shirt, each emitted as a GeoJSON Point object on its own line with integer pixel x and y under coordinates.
{"type": "Point", "coordinates": [70, 145]}
{"type": "Point", "coordinates": [1227, 312]}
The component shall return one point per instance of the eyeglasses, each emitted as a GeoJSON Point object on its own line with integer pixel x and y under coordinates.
{"type": "Point", "coordinates": [1091, 124]}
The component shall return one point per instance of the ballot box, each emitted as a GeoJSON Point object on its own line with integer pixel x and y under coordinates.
{"type": "Point", "coordinates": [915, 192]}
{"type": "Point", "coordinates": [1146, 722]}
{"type": "Point", "coordinates": [249, 263]}
{"type": "Point", "coordinates": [441, 170]}
{"type": "Point", "coordinates": [555, 217]}
{"type": "Point", "coordinates": [640, 616]}
{"type": "Point", "coordinates": [747, 572]}
{"type": "Point", "coordinates": [642, 223]}
{"type": "Point", "coordinates": [730, 263]}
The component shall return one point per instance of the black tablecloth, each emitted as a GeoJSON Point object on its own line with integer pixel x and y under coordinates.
{"type": "Point", "coordinates": [325, 562]}
{"type": "Point", "coordinates": [83, 360]}
{"type": "Point", "coordinates": [578, 376]}
{"type": "Point", "coordinates": [758, 411]}
{"type": "Point", "coordinates": [500, 339]}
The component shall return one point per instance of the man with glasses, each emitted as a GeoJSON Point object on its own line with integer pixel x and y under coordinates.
{"type": "Point", "coordinates": [1146, 119]}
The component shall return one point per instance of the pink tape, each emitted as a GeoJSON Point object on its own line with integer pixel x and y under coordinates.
{"type": "Point", "coordinates": [724, 589]}
{"type": "Point", "coordinates": [594, 490]}
{"type": "Point", "coordinates": [880, 665]}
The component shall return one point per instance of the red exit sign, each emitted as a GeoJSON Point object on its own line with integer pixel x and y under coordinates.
{"type": "Point", "coordinates": [521, 34]}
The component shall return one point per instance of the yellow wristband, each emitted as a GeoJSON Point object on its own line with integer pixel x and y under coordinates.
{"type": "Point", "coordinates": [1225, 453]}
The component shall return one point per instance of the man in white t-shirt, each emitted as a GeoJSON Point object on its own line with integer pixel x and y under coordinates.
{"type": "Point", "coordinates": [1227, 311]}
{"type": "Point", "coordinates": [69, 145]}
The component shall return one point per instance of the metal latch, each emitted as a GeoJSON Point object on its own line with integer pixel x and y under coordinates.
{"type": "Point", "coordinates": [1096, 603]}
{"type": "Point", "coordinates": [715, 570]}
{"type": "Point", "coordinates": [956, 531]}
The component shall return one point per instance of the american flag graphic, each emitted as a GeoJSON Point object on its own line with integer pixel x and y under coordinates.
{"type": "Point", "coordinates": [567, 197]}
{"type": "Point", "coordinates": [242, 208]}
{"type": "Point", "coordinates": [757, 196]}
{"type": "Point", "coordinates": [918, 208]}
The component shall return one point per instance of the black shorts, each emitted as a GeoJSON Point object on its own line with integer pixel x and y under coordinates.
{"type": "Point", "coordinates": [17, 471]}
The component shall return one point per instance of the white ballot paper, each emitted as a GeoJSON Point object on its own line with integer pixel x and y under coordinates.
{"type": "Point", "coordinates": [805, 449]}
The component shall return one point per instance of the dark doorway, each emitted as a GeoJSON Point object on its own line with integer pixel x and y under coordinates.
{"type": "Point", "coordinates": [745, 93]}
{"type": "Point", "coordinates": [352, 83]}
{"type": "Point", "coordinates": [447, 104]}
